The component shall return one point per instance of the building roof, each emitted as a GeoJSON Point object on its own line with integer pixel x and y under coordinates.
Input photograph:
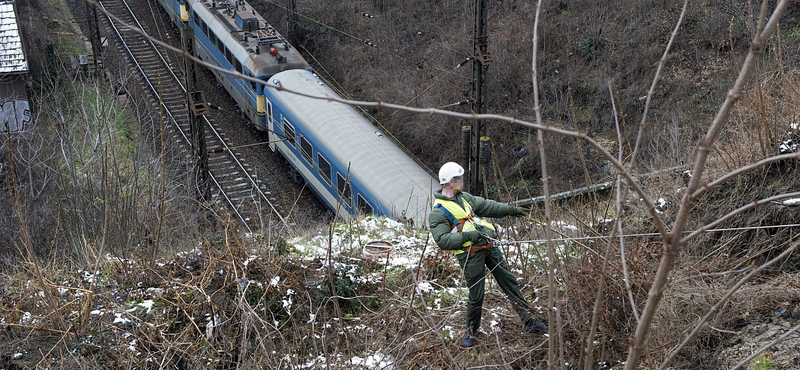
{"type": "Point", "coordinates": [12, 57]}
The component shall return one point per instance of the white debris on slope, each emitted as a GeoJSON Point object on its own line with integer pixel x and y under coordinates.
{"type": "Point", "coordinates": [789, 145]}
{"type": "Point", "coordinates": [377, 361]}
{"type": "Point", "coordinates": [407, 245]}
{"type": "Point", "coordinates": [147, 305]}
{"type": "Point", "coordinates": [790, 202]}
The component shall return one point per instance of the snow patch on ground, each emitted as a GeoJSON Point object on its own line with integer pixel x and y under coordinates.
{"type": "Point", "coordinates": [791, 202]}
{"type": "Point", "coordinates": [408, 246]}
{"type": "Point", "coordinates": [377, 361]}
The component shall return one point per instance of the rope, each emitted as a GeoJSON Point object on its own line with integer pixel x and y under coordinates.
{"type": "Point", "coordinates": [434, 84]}
{"type": "Point", "coordinates": [510, 242]}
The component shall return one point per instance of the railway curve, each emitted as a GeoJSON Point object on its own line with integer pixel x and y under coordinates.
{"type": "Point", "coordinates": [235, 183]}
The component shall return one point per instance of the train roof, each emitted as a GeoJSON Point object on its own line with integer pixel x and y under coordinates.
{"type": "Point", "coordinates": [12, 57]}
{"type": "Point", "coordinates": [400, 180]}
{"type": "Point", "coordinates": [248, 36]}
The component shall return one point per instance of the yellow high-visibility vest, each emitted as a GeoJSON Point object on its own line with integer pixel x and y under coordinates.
{"type": "Point", "coordinates": [461, 218]}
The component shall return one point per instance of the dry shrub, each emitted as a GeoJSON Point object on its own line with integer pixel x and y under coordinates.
{"type": "Point", "coordinates": [755, 235]}
{"type": "Point", "coordinates": [222, 307]}
{"type": "Point", "coordinates": [691, 296]}
{"type": "Point", "coordinates": [616, 321]}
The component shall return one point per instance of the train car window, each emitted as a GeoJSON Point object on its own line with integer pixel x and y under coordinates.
{"type": "Point", "coordinates": [204, 26]}
{"type": "Point", "coordinates": [288, 131]}
{"type": "Point", "coordinates": [306, 149]}
{"type": "Point", "coordinates": [269, 113]}
{"type": "Point", "coordinates": [363, 206]}
{"type": "Point", "coordinates": [212, 36]}
{"type": "Point", "coordinates": [228, 56]}
{"type": "Point", "coordinates": [247, 73]}
{"type": "Point", "coordinates": [221, 46]}
{"type": "Point", "coordinates": [324, 168]}
{"type": "Point", "coordinates": [344, 189]}
{"type": "Point", "coordinates": [238, 65]}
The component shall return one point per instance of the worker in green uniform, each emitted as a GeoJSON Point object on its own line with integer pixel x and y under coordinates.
{"type": "Point", "coordinates": [456, 224]}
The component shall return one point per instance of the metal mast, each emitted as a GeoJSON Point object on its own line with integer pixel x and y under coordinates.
{"type": "Point", "coordinates": [197, 107]}
{"type": "Point", "coordinates": [291, 19]}
{"type": "Point", "coordinates": [94, 37]}
{"type": "Point", "coordinates": [482, 61]}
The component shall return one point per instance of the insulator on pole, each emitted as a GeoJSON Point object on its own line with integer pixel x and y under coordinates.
{"type": "Point", "coordinates": [486, 155]}
{"type": "Point", "coordinates": [465, 147]}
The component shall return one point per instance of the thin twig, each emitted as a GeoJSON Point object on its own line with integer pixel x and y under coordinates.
{"type": "Point", "coordinates": [723, 301]}
{"type": "Point", "coordinates": [650, 92]}
{"type": "Point", "coordinates": [551, 284]}
{"type": "Point", "coordinates": [705, 187]}
{"type": "Point", "coordinates": [737, 211]}
{"type": "Point", "coordinates": [429, 320]}
{"type": "Point", "coordinates": [620, 197]}
{"type": "Point", "coordinates": [500, 349]}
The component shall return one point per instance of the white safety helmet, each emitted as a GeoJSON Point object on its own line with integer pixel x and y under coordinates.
{"type": "Point", "coordinates": [448, 171]}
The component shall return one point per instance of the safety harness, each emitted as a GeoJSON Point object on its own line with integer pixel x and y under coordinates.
{"type": "Point", "coordinates": [469, 220]}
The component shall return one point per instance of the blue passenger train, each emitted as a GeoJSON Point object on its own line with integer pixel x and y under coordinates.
{"type": "Point", "coordinates": [348, 163]}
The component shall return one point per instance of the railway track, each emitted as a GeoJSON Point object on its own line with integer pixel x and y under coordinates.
{"type": "Point", "coordinates": [233, 182]}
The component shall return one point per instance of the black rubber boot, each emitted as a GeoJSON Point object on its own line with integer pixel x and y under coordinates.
{"type": "Point", "coordinates": [468, 340]}
{"type": "Point", "coordinates": [534, 326]}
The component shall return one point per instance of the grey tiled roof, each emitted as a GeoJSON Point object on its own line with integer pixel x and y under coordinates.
{"type": "Point", "coordinates": [12, 58]}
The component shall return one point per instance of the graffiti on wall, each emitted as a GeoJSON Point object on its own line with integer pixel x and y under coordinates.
{"type": "Point", "coordinates": [15, 115]}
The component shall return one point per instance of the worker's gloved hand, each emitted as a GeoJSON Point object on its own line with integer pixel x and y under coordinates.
{"type": "Point", "coordinates": [475, 237]}
{"type": "Point", "coordinates": [519, 211]}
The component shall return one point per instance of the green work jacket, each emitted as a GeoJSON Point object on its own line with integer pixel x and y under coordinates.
{"type": "Point", "coordinates": [441, 226]}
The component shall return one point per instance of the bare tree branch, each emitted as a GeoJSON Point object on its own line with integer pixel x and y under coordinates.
{"type": "Point", "coordinates": [737, 211]}
{"type": "Point", "coordinates": [551, 284]}
{"type": "Point", "coordinates": [768, 346]}
{"type": "Point", "coordinates": [672, 242]}
{"type": "Point", "coordinates": [722, 302]}
{"type": "Point", "coordinates": [620, 199]}
{"type": "Point", "coordinates": [705, 187]}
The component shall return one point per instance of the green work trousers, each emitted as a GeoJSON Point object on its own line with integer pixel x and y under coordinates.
{"type": "Point", "coordinates": [475, 274]}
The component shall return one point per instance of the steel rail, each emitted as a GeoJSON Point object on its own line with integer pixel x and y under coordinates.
{"type": "Point", "coordinates": [180, 129]}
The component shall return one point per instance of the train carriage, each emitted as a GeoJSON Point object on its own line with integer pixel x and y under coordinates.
{"type": "Point", "coordinates": [348, 163]}
{"type": "Point", "coordinates": [331, 139]}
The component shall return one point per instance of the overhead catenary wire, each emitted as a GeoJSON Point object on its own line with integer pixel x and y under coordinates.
{"type": "Point", "coordinates": [435, 83]}
{"type": "Point", "coordinates": [340, 89]}
{"type": "Point", "coordinates": [337, 88]}
{"type": "Point", "coordinates": [354, 37]}
{"type": "Point", "coordinates": [463, 102]}
{"type": "Point", "coordinates": [651, 234]}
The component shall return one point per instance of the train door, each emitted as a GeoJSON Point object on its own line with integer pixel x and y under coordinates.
{"type": "Point", "coordinates": [270, 124]}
